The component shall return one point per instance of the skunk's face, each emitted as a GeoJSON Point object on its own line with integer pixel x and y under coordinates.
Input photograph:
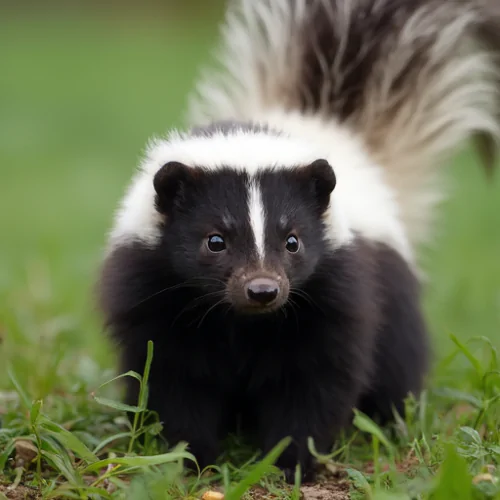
{"type": "Point", "coordinates": [251, 239]}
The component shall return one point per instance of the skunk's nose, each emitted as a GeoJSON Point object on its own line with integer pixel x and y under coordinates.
{"type": "Point", "coordinates": [262, 290]}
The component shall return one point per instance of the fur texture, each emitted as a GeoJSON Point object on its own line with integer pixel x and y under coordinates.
{"type": "Point", "coordinates": [269, 252]}
{"type": "Point", "coordinates": [411, 79]}
{"type": "Point", "coordinates": [364, 204]}
{"type": "Point", "coordinates": [295, 371]}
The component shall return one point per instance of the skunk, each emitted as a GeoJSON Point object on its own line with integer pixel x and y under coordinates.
{"type": "Point", "coordinates": [268, 250]}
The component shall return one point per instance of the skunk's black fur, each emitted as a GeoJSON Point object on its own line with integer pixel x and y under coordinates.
{"type": "Point", "coordinates": [350, 335]}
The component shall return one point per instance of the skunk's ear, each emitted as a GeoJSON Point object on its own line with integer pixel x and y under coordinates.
{"type": "Point", "coordinates": [171, 182]}
{"type": "Point", "coordinates": [320, 177]}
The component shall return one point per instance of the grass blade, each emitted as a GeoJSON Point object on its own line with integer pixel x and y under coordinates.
{"type": "Point", "coordinates": [365, 424]}
{"type": "Point", "coordinates": [130, 373]}
{"type": "Point", "coordinates": [69, 440]}
{"type": "Point", "coordinates": [66, 491]}
{"type": "Point", "coordinates": [24, 397]}
{"type": "Point", "coordinates": [116, 405]}
{"type": "Point", "coordinates": [453, 480]}
{"type": "Point", "coordinates": [63, 466]}
{"type": "Point", "coordinates": [258, 471]}
{"type": "Point", "coordinates": [143, 396]}
{"type": "Point", "coordinates": [137, 461]}
{"type": "Point", "coordinates": [360, 482]}
{"type": "Point", "coordinates": [4, 456]}
{"type": "Point", "coordinates": [456, 395]}
{"type": "Point", "coordinates": [110, 439]}
{"type": "Point", "coordinates": [35, 411]}
{"type": "Point", "coordinates": [468, 354]}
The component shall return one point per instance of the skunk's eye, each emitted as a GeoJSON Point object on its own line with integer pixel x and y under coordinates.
{"type": "Point", "coordinates": [292, 243]}
{"type": "Point", "coordinates": [216, 243]}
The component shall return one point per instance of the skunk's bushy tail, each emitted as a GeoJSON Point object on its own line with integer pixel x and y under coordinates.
{"type": "Point", "coordinates": [412, 78]}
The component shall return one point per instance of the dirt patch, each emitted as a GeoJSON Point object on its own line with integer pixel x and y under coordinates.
{"type": "Point", "coordinates": [408, 465]}
{"type": "Point", "coordinates": [326, 491]}
{"type": "Point", "coordinates": [19, 493]}
{"type": "Point", "coordinates": [258, 493]}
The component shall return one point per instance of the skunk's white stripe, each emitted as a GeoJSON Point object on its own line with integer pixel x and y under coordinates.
{"type": "Point", "coordinates": [257, 216]}
{"type": "Point", "coordinates": [137, 218]}
{"type": "Point", "coordinates": [361, 203]}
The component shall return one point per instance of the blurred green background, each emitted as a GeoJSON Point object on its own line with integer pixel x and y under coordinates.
{"type": "Point", "coordinates": [83, 85]}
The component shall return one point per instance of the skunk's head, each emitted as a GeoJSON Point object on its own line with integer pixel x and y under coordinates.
{"type": "Point", "coordinates": [243, 216]}
{"type": "Point", "coordinates": [255, 235]}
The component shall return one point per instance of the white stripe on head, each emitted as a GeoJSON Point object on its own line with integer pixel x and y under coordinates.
{"type": "Point", "coordinates": [257, 216]}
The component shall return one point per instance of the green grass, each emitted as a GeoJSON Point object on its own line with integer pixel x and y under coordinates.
{"type": "Point", "coordinates": [79, 96]}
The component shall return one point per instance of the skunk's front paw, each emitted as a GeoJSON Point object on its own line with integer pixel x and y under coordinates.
{"type": "Point", "coordinates": [307, 471]}
{"type": "Point", "coordinates": [307, 476]}
{"type": "Point", "coordinates": [206, 454]}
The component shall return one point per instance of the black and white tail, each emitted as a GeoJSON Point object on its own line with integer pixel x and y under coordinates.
{"type": "Point", "coordinates": [413, 79]}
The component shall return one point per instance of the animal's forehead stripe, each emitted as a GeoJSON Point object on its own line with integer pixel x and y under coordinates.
{"type": "Point", "coordinates": [240, 150]}
{"type": "Point", "coordinates": [257, 215]}
{"type": "Point", "coordinates": [248, 153]}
